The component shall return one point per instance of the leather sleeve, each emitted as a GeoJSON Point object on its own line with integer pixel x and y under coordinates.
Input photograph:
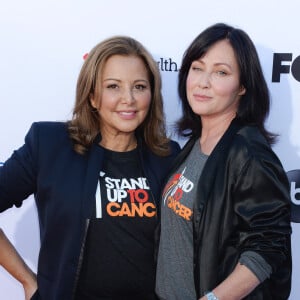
{"type": "Point", "coordinates": [263, 206]}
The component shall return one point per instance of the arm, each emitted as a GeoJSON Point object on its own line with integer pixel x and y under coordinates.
{"type": "Point", "coordinates": [237, 285]}
{"type": "Point", "coordinates": [13, 263]}
{"type": "Point", "coordinates": [263, 213]}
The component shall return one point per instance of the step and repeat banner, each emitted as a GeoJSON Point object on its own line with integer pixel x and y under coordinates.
{"type": "Point", "coordinates": [42, 47]}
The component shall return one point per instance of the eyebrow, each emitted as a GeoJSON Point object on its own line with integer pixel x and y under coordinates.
{"type": "Point", "coordinates": [223, 64]}
{"type": "Point", "coordinates": [119, 80]}
{"type": "Point", "coordinates": [115, 79]}
{"type": "Point", "coordinates": [215, 64]}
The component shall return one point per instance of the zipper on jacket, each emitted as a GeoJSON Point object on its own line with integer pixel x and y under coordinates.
{"type": "Point", "coordinates": [80, 260]}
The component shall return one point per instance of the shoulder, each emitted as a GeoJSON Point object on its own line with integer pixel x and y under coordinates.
{"type": "Point", "coordinates": [250, 140]}
{"type": "Point", "coordinates": [251, 134]}
{"type": "Point", "coordinates": [250, 148]}
{"type": "Point", "coordinates": [46, 132]}
{"type": "Point", "coordinates": [47, 127]}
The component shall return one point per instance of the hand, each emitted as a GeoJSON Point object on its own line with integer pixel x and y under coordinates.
{"type": "Point", "coordinates": [15, 265]}
{"type": "Point", "coordinates": [30, 287]}
{"type": "Point", "coordinates": [29, 292]}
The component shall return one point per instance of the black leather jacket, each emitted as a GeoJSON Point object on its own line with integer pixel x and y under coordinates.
{"type": "Point", "coordinates": [243, 204]}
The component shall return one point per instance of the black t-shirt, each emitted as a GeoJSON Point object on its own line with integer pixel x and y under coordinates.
{"type": "Point", "coordinates": [118, 261]}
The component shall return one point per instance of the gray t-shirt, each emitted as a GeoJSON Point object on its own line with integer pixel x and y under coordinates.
{"type": "Point", "coordinates": [175, 279]}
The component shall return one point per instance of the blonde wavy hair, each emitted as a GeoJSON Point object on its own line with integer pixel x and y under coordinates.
{"type": "Point", "coordinates": [85, 124]}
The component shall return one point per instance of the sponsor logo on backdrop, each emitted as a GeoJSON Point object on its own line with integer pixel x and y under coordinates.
{"type": "Point", "coordinates": [294, 179]}
{"type": "Point", "coordinates": [167, 65]}
{"type": "Point", "coordinates": [164, 64]}
{"type": "Point", "coordinates": [285, 63]}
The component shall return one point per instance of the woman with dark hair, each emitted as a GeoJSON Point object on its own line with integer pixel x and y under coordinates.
{"type": "Point", "coordinates": [225, 210]}
{"type": "Point", "coordinates": [96, 181]}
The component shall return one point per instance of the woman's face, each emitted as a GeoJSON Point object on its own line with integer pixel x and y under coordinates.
{"type": "Point", "coordinates": [213, 87]}
{"type": "Point", "coordinates": [125, 95]}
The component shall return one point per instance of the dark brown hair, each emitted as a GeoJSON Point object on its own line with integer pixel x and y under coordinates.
{"type": "Point", "coordinates": [254, 105]}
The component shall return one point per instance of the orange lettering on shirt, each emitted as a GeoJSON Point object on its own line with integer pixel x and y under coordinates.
{"type": "Point", "coordinates": [135, 209]}
{"type": "Point", "coordinates": [179, 209]}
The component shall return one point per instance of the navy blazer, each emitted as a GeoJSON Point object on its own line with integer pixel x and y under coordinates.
{"type": "Point", "coordinates": [64, 185]}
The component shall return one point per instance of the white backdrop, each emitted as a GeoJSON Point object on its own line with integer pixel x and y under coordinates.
{"type": "Point", "coordinates": [41, 52]}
